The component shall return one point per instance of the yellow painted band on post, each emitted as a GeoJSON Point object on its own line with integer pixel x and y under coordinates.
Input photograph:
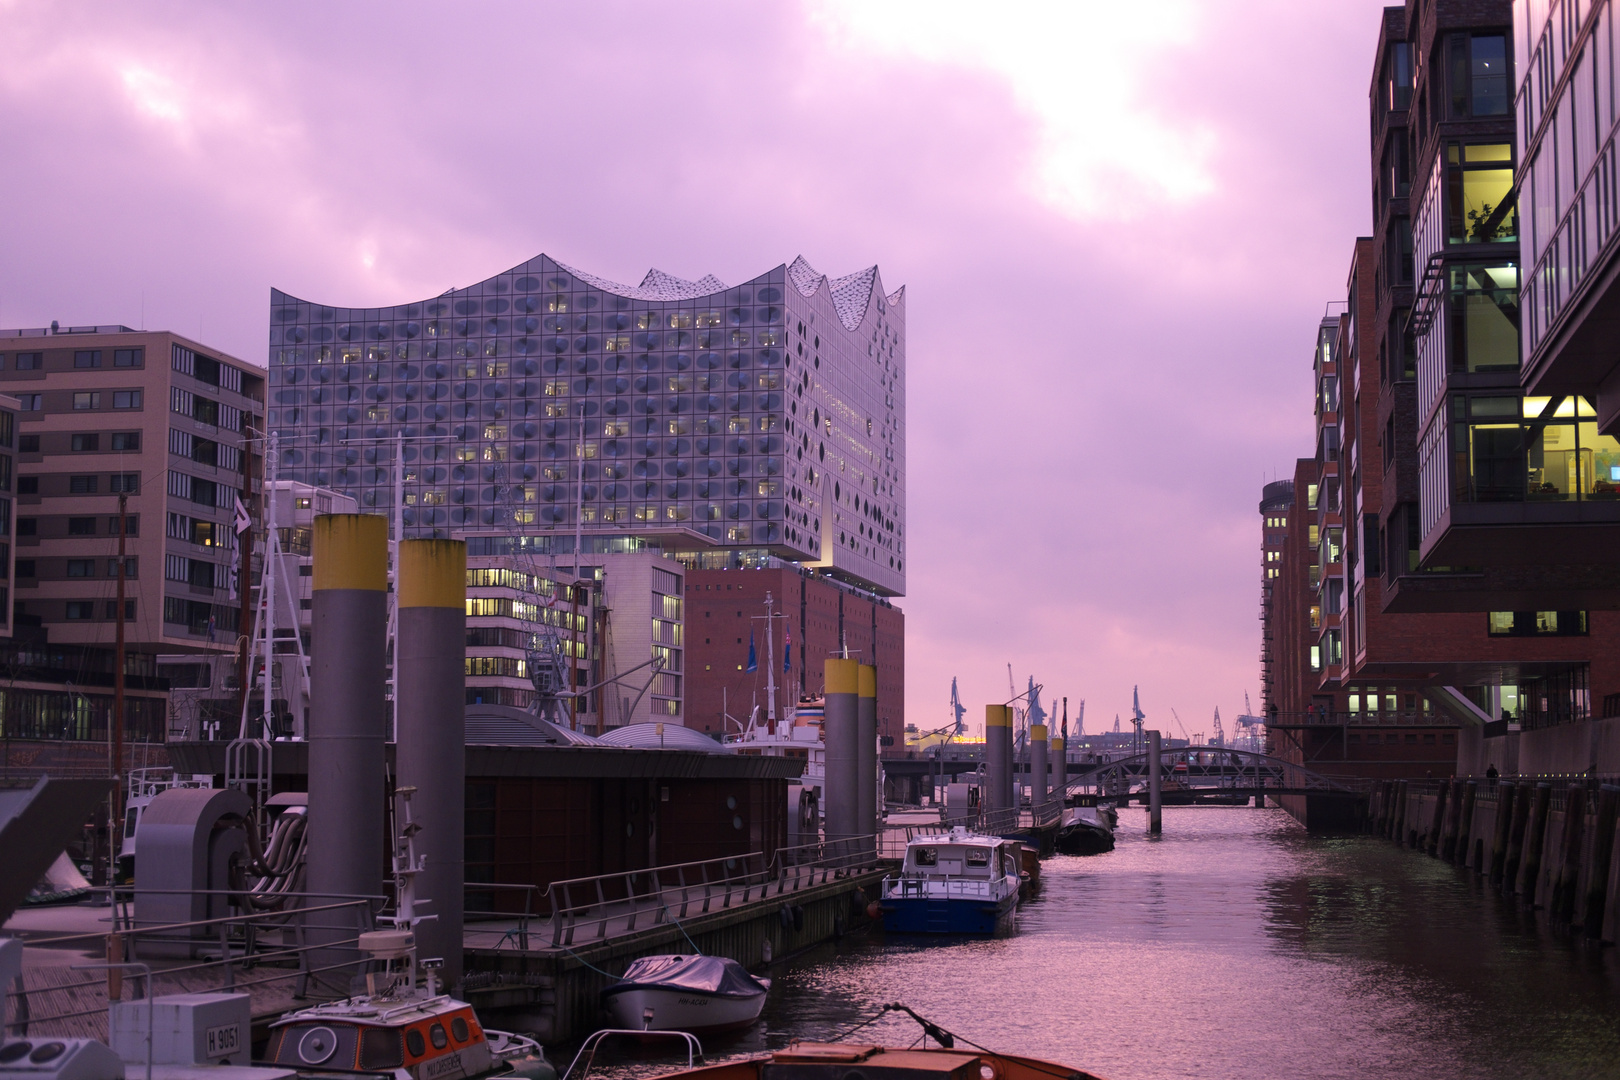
{"type": "Point", "coordinates": [842, 676]}
{"type": "Point", "coordinates": [433, 573]}
{"type": "Point", "coordinates": [1057, 743]}
{"type": "Point", "coordinates": [351, 552]}
{"type": "Point", "coordinates": [997, 716]}
{"type": "Point", "coordinates": [1037, 732]}
{"type": "Point", "coordinates": [868, 681]}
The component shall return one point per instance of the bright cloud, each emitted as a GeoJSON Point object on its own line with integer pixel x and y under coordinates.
{"type": "Point", "coordinates": [1084, 70]}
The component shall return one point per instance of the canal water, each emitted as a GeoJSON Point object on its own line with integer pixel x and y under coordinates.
{"type": "Point", "coordinates": [1237, 945]}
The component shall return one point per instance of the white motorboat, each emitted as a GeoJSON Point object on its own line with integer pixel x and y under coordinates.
{"type": "Point", "coordinates": [685, 993]}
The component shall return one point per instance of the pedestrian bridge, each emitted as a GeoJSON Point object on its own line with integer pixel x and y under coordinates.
{"type": "Point", "coordinates": [1210, 771]}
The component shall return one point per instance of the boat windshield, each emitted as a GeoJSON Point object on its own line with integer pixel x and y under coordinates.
{"type": "Point", "coordinates": [978, 856]}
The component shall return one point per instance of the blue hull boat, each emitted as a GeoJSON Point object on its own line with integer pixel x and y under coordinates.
{"type": "Point", "coordinates": [982, 918]}
{"type": "Point", "coordinates": [954, 883]}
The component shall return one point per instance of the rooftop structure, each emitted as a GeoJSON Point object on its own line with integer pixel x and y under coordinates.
{"type": "Point", "coordinates": [767, 417]}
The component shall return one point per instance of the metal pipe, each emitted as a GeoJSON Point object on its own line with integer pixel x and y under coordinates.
{"type": "Point", "coordinates": [866, 778]}
{"type": "Point", "coordinates": [430, 731]}
{"type": "Point", "coordinates": [347, 715]}
{"type": "Point", "coordinates": [1060, 772]}
{"type": "Point", "coordinates": [841, 732]}
{"type": "Point", "coordinates": [998, 755]}
{"type": "Point", "coordinates": [1155, 788]}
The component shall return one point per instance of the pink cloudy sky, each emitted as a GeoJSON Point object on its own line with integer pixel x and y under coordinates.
{"type": "Point", "coordinates": [1117, 225]}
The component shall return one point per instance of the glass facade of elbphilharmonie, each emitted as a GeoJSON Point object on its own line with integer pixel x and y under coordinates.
{"type": "Point", "coordinates": [766, 418]}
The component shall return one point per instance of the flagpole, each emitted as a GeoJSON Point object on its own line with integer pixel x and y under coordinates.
{"type": "Point", "coordinates": [770, 668]}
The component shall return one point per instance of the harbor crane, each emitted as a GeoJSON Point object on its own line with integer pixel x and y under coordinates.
{"type": "Point", "coordinates": [1220, 734]}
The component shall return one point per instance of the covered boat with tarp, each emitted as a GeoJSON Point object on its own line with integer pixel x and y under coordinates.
{"type": "Point", "coordinates": [685, 993]}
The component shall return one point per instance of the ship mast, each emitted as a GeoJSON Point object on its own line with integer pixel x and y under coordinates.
{"type": "Point", "coordinates": [770, 667]}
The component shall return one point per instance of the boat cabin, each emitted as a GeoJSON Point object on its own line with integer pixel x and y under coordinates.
{"type": "Point", "coordinates": [960, 855]}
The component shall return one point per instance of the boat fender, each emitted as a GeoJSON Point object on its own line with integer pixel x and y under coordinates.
{"type": "Point", "coordinates": [785, 915]}
{"type": "Point", "coordinates": [874, 910]}
{"type": "Point", "coordinates": [798, 916]}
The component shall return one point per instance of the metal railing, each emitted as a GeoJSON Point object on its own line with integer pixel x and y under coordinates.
{"type": "Point", "coordinates": [595, 909]}
{"type": "Point", "coordinates": [240, 942]}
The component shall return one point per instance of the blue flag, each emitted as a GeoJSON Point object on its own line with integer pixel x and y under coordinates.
{"type": "Point", "coordinates": [753, 664]}
{"type": "Point", "coordinates": [787, 654]}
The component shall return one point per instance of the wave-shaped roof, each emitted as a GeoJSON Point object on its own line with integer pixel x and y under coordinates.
{"type": "Point", "coordinates": [851, 294]}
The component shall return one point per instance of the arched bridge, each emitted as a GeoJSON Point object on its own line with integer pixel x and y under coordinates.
{"type": "Point", "coordinates": [1210, 771]}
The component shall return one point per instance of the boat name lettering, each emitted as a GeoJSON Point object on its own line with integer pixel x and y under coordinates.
{"type": "Point", "coordinates": [225, 1039]}
{"type": "Point", "coordinates": [449, 1065]}
{"type": "Point", "coordinates": [700, 1002]}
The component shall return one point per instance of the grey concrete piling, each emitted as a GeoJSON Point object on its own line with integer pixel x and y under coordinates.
{"type": "Point", "coordinates": [866, 774]}
{"type": "Point", "coordinates": [841, 732]}
{"type": "Point", "coordinates": [348, 625]}
{"type": "Point", "coordinates": [1039, 766]}
{"type": "Point", "coordinates": [430, 730]}
{"type": "Point", "coordinates": [1155, 786]}
{"type": "Point", "coordinates": [998, 755]}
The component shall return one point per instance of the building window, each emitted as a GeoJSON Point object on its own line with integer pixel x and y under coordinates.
{"type": "Point", "coordinates": [87, 399]}
{"type": "Point", "coordinates": [129, 609]}
{"type": "Point", "coordinates": [87, 358]}
{"type": "Point", "coordinates": [85, 442]}
{"type": "Point", "coordinates": [132, 525]}
{"type": "Point", "coordinates": [130, 358]}
{"type": "Point", "coordinates": [1479, 183]}
{"type": "Point", "coordinates": [126, 399]}
{"type": "Point", "coordinates": [81, 526]}
{"type": "Point", "coordinates": [28, 444]}
{"type": "Point", "coordinates": [26, 568]}
{"type": "Point", "coordinates": [1552, 452]}
{"type": "Point", "coordinates": [1536, 623]}
{"type": "Point", "coordinates": [31, 402]}
{"type": "Point", "coordinates": [1484, 317]}
{"type": "Point", "coordinates": [81, 568]}
{"type": "Point", "coordinates": [131, 567]}
{"type": "Point", "coordinates": [124, 483]}
{"type": "Point", "coordinates": [82, 485]}
{"type": "Point", "coordinates": [81, 609]}
{"type": "Point", "coordinates": [27, 526]}
{"type": "Point", "coordinates": [1477, 75]}
{"type": "Point", "coordinates": [126, 440]}
{"type": "Point", "coordinates": [30, 361]}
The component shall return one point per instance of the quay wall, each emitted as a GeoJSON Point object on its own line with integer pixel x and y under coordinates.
{"type": "Point", "coordinates": [555, 992]}
{"type": "Point", "coordinates": [1550, 841]}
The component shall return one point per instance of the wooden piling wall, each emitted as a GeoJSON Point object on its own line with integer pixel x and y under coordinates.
{"type": "Point", "coordinates": [1552, 844]}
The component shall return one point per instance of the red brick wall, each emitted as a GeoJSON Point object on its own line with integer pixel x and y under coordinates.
{"type": "Point", "coordinates": [720, 605]}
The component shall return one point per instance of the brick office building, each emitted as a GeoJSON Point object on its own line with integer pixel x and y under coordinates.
{"type": "Point", "coordinates": [725, 610]}
{"type": "Point", "coordinates": [1454, 592]}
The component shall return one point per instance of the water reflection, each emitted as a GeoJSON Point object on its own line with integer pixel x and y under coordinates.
{"type": "Point", "coordinates": [1235, 946]}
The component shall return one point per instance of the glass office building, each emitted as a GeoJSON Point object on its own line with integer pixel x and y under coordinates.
{"type": "Point", "coordinates": [743, 422]}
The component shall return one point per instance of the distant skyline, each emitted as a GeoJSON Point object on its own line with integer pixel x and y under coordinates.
{"type": "Point", "coordinates": [1117, 236]}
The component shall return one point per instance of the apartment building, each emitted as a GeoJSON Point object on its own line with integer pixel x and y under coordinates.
{"type": "Point", "coordinates": [158, 425]}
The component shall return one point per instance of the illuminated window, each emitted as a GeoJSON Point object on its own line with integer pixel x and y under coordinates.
{"type": "Point", "coordinates": [495, 452]}
{"type": "Point", "coordinates": [557, 303]}
{"type": "Point", "coordinates": [677, 513]}
{"type": "Point", "coordinates": [679, 426]}
{"type": "Point", "coordinates": [768, 488]}
{"type": "Point", "coordinates": [648, 320]}
{"type": "Point", "coordinates": [738, 425]}
{"type": "Point", "coordinates": [494, 431]}
{"type": "Point", "coordinates": [585, 450]}
{"type": "Point", "coordinates": [680, 384]}
{"type": "Point", "coordinates": [770, 422]}
{"type": "Point", "coordinates": [770, 380]}
{"type": "Point", "coordinates": [708, 318]}
{"type": "Point", "coordinates": [556, 409]}
{"type": "Point", "coordinates": [680, 320]}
